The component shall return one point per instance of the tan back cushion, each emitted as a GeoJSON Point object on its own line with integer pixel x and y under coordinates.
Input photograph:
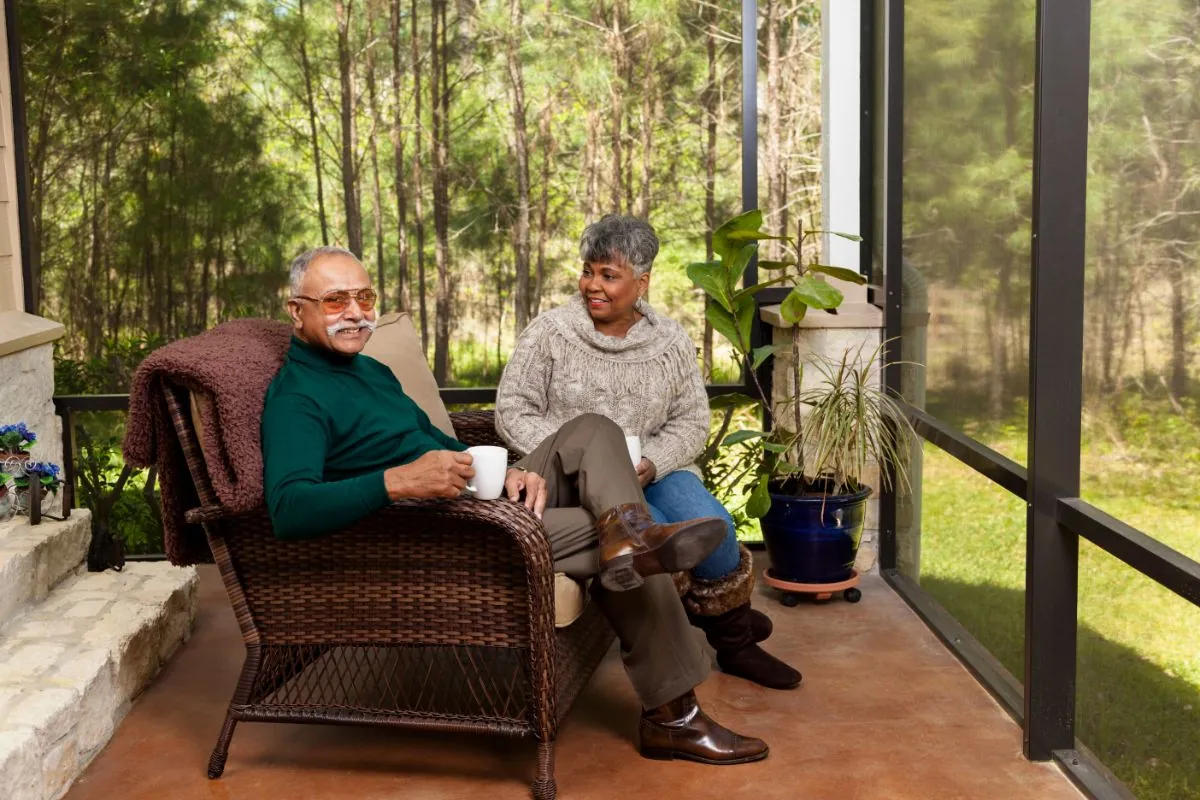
{"type": "Point", "coordinates": [395, 343]}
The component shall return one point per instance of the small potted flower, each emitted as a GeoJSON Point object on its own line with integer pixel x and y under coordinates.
{"type": "Point", "coordinates": [48, 477]}
{"type": "Point", "coordinates": [15, 441]}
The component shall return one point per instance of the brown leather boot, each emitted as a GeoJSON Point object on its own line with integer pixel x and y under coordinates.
{"type": "Point", "coordinates": [633, 546]}
{"type": "Point", "coordinates": [681, 730]}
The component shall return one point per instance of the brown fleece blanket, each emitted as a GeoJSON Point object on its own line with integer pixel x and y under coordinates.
{"type": "Point", "coordinates": [234, 364]}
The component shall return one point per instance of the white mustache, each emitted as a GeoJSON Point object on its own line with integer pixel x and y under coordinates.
{"type": "Point", "coordinates": [369, 324]}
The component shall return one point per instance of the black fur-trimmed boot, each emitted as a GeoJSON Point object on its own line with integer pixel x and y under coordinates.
{"type": "Point", "coordinates": [721, 608]}
{"type": "Point", "coordinates": [760, 624]}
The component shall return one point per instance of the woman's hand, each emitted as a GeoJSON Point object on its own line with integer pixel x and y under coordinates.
{"type": "Point", "coordinates": [646, 471]}
{"type": "Point", "coordinates": [534, 486]}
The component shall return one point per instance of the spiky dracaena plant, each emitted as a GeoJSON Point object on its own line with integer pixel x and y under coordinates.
{"type": "Point", "coordinates": [853, 423]}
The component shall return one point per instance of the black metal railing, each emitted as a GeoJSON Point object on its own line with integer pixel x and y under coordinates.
{"type": "Point", "coordinates": [68, 407]}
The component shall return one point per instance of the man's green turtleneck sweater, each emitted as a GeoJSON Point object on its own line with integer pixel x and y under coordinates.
{"type": "Point", "coordinates": [331, 426]}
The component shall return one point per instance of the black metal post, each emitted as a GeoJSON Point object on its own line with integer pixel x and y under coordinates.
{"type": "Point", "coordinates": [893, 246]}
{"type": "Point", "coordinates": [866, 140]}
{"type": "Point", "coordinates": [750, 115]}
{"type": "Point", "coordinates": [33, 495]}
{"type": "Point", "coordinates": [761, 332]}
{"type": "Point", "coordinates": [68, 443]}
{"type": "Point", "coordinates": [1055, 363]}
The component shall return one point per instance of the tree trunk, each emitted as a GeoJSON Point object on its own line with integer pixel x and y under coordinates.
{"type": "Point", "coordinates": [590, 148]}
{"type": "Point", "coordinates": [353, 207]}
{"type": "Point", "coordinates": [546, 143]}
{"type": "Point", "coordinates": [709, 101]}
{"type": "Point", "coordinates": [520, 234]}
{"type": "Point", "coordinates": [440, 106]}
{"type": "Point", "coordinates": [311, 102]}
{"type": "Point", "coordinates": [620, 56]}
{"type": "Point", "coordinates": [418, 178]}
{"type": "Point", "coordinates": [377, 122]}
{"type": "Point", "coordinates": [648, 101]}
{"type": "Point", "coordinates": [1179, 349]}
{"type": "Point", "coordinates": [398, 137]}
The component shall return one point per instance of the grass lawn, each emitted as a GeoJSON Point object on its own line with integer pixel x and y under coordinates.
{"type": "Point", "coordinates": [1138, 675]}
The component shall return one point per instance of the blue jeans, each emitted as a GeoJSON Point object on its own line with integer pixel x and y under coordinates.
{"type": "Point", "coordinates": [681, 496]}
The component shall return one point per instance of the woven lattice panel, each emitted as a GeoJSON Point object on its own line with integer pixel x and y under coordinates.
{"type": "Point", "coordinates": [478, 683]}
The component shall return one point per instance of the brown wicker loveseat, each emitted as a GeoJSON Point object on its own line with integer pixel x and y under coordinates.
{"type": "Point", "coordinates": [427, 615]}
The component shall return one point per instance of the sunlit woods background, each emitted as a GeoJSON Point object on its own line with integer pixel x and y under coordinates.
{"type": "Point", "coordinates": [968, 128]}
{"type": "Point", "coordinates": [182, 152]}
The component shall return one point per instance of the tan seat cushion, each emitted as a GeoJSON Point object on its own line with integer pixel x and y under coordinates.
{"type": "Point", "coordinates": [395, 343]}
{"type": "Point", "coordinates": [570, 599]}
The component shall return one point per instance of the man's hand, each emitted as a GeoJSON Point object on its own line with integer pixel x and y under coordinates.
{"type": "Point", "coordinates": [646, 471]}
{"type": "Point", "coordinates": [438, 473]}
{"type": "Point", "coordinates": [534, 486]}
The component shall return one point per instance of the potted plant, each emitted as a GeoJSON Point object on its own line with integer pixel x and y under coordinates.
{"type": "Point", "coordinates": [15, 441]}
{"type": "Point", "coordinates": [48, 477]}
{"type": "Point", "coordinates": [805, 478]}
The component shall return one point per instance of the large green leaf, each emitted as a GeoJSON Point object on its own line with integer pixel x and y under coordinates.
{"type": "Point", "coordinates": [745, 309]}
{"type": "Point", "coordinates": [760, 499]}
{"type": "Point", "coordinates": [751, 236]}
{"type": "Point", "coordinates": [737, 437]}
{"type": "Point", "coordinates": [724, 324]}
{"type": "Point", "coordinates": [816, 293]}
{"type": "Point", "coordinates": [841, 273]}
{"type": "Point", "coordinates": [735, 267]}
{"type": "Point", "coordinates": [768, 264]}
{"type": "Point", "coordinates": [710, 276]}
{"type": "Point", "coordinates": [731, 400]}
{"type": "Point", "coordinates": [722, 245]}
{"type": "Point", "coordinates": [793, 308]}
{"type": "Point", "coordinates": [761, 354]}
{"type": "Point", "coordinates": [758, 287]}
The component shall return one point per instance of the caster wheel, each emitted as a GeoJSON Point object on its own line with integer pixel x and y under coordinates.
{"type": "Point", "coordinates": [791, 600]}
{"type": "Point", "coordinates": [852, 595]}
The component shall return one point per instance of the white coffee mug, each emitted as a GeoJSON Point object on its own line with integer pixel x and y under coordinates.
{"type": "Point", "coordinates": [491, 465]}
{"type": "Point", "coordinates": [634, 443]}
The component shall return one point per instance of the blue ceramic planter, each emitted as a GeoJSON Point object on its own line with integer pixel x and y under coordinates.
{"type": "Point", "coordinates": [814, 539]}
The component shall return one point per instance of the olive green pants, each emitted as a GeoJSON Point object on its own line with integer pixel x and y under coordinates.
{"type": "Point", "coordinates": [587, 470]}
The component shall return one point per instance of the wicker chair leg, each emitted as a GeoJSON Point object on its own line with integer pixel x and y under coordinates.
{"type": "Point", "coordinates": [544, 787]}
{"type": "Point", "coordinates": [216, 763]}
{"type": "Point", "coordinates": [241, 696]}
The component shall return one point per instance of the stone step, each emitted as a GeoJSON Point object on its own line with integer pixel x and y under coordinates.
{"type": "Point", "coordinates": [70, 667]}
{"type": "Point", "coordinates": [36, 558]}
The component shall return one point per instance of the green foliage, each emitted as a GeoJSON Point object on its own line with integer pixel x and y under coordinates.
{"type": "Point", "coordinates": [853, 423]}
{"type": "Point", "coordinates": [108, 372]}
{"type": "Point", "coordinates": [1138, 687]}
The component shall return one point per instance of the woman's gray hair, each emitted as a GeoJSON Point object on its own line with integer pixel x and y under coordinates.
{"type": "Point", "coordinates": [614, 239]}
{"type": "Point", "coordinates": [301, 263]}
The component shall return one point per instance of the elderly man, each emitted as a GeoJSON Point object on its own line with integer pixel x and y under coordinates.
{"type": "Point", "coordinates": [341, 440]}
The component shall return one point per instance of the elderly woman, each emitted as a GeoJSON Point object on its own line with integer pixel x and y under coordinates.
{"type": "Point", "coordinates": [608, 352]}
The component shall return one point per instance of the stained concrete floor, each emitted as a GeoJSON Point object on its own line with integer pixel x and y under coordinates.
{"type": "Point", "coordinates": [885, 713]}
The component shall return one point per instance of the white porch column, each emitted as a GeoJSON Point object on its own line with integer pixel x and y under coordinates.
{"type": "Point", "coordinates": [841, 69]}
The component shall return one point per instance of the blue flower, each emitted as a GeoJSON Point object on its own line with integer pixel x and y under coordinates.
{"type": "Point", "coordinates": [16, 437]}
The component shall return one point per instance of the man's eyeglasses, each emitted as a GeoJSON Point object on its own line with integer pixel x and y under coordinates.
{"type": "Point", "coordinates": [338, 301]}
